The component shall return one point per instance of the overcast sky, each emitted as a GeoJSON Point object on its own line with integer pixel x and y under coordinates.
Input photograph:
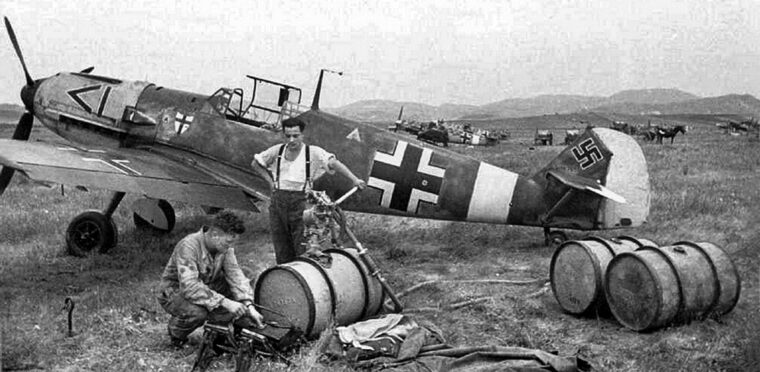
{"type": "Point", "coordinates": [432, 52]}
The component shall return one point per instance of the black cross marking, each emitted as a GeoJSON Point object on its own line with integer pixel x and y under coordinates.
{"type": "Point", "coordinates": [184, 122]}
{"type": "Point", "coordinates": [405, 177]}
{"type": "Point", "coordinates": [587, 154]}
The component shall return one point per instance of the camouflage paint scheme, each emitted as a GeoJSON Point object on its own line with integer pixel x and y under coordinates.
{"type": "Point", "coordinates": [175, 145]}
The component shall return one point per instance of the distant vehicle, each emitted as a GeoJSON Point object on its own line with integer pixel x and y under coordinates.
{"type": "Point", "coordinates": [742, 126]}
{"type": "Point", "coordinates": [502, 134]}
{"type": "Point", "coordinates": [571, 135]}
{"type": "Point", "coordinates": [543, 137]}
{"type": "Point", "coordinates": [620, 126]}
{"type": "Point", "coordinates": [435, 133]}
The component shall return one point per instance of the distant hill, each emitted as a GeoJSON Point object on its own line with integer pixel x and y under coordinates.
{"type": "Point", "coordinates": [385, 110]}
{"type": "Point", "coordinates": [743, 104]}
{"type": "Point", "coordinates": [633, 102]}
{"type": "Point", "coordinates": [626, 102]}
{"type": "Point", "coordinates": [651, 96]}
{"type": "Point", "coordinates": [539, 105]}
{"type": "Point", "coordinates": [9, 113]}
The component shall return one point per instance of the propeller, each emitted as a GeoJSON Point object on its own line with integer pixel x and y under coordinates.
{"type": "Point", "coordinates": [22, 132]}
{"type": "Point", "coordinates": [12, 35]}
{"type": "Point", "coordinates": [24, 126]}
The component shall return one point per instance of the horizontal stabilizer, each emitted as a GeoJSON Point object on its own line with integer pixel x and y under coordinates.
{"type": "Point", "coordinates": [583, 183]}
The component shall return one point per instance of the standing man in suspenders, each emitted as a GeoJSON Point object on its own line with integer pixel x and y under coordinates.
{"type": "Point", "coordinates": [291, 167]}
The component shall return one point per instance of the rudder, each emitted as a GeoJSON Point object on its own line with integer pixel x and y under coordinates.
{"type": "Point", "coordinates": [604, 165]}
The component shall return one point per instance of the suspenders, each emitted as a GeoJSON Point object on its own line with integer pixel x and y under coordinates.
{"type": "Point", "coordinates": [308, 166]}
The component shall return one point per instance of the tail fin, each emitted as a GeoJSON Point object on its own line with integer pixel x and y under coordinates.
{"type": "Point", "coordinates": [610, 171]}
{"type": "Point", "coordinates": [400, 114]}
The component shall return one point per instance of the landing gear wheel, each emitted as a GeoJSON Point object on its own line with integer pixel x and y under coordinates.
{"type": "Point", "coordinates": [555, 238]}
{"type": "Point", "coordinates": [168, 215]}
{"type": "Point", "coordinates": [90, 231]}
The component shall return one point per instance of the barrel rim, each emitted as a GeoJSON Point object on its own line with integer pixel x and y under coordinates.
{"type": "Point", "coordinates": [737, 292]}
{"type": "Point", "coordinates": [636, 241]}
{"type": "Point", "coordinates": [603, 242]}
{"type": "Point", "coordinates": [365, 279]}
{"type": "Point", "coordinates": [656, 280]}
{"type": "Point", "coordinates": [304, 286]}
{"type": "Point", "coordinates": [597, 273]}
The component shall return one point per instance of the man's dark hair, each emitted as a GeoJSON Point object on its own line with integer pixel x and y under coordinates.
{"type": "Point", "coordinates": [293, 122]}
{"type": "Point", "coordinates": [229, 223]}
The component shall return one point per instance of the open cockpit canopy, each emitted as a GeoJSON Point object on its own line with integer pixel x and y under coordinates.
{"type": "Point", "coordinates": [266, 105]}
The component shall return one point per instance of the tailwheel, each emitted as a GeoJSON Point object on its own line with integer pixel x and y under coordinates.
{"type": "Point", "coordinates": [556, 238]}
{"type": "Point", "coordinates": [90, 231]}
{"type": "Point", "coordinates": [156, 214]}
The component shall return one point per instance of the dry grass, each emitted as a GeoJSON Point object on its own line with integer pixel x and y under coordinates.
{"type": "Point", "coordinates": [704, 189]}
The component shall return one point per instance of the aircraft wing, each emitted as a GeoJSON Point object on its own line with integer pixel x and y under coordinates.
{"type": "Point", "coordinates": [170, 174]}
{"type": "Point", "coordinates": [583, 183]}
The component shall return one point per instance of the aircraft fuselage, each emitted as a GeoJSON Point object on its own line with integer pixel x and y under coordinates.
{"type": "Point", "coordinates": [405, 176]}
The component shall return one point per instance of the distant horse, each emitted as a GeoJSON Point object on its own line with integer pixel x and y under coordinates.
{"type": "Point", "coordinates": [669, 133]}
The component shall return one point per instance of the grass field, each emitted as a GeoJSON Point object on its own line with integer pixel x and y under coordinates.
{"type": "Point", "coordinates": [704, 188]}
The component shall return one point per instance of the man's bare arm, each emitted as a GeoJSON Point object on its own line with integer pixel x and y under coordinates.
{"type": "Point", "coordinates": [343, 170]}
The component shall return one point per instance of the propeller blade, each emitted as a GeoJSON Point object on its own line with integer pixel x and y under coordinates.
{"type": "Point", "coordinates": [22, 132]}
{"type": "Point", "coordinates": [24, 127]}
{"type": "Point", "coordinates": [29, 80]}
{"type": "Point", "coordinates": [88, 70]}
{"type": "Point", "coordinates": [5, 178]}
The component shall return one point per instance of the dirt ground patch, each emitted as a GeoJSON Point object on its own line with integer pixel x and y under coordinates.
{"type": "Point", "coordinates": [704, 188]}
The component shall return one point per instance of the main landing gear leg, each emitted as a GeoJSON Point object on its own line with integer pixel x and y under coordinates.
{"type": "Point", "coordinates": [93, 231]}
{"type": "Point", "coordinates": [553, 238]}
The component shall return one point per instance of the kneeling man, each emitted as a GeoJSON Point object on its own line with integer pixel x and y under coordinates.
{"type": "Point", "coordinates": [203, 281]}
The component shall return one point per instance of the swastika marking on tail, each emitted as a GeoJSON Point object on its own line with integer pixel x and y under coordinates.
{"type": "Point", "coordinates": [587, 154]}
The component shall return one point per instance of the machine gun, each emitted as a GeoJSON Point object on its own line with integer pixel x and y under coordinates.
{"type": "Point", "coordinates": [245, 343]}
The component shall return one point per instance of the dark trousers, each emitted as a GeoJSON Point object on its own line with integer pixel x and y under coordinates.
{"type": "Point", "coordinates": [187, 316]}
{"type": "Point", "coordinates": [286, 224]}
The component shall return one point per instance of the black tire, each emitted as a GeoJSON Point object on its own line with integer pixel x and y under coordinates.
{"type": "Point", "coordinates": [556, 238]}
{"type": "Point", "coordinates": [90, 231]}
{"type": "Point", "coordinates": [168, 211]}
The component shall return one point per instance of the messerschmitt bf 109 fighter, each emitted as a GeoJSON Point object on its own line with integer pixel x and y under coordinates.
{"type": "Point", "coordinates": [171, 145]}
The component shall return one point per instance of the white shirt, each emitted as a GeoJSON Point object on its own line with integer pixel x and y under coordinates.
{"type": "Point", "coordinates": [293, 173]}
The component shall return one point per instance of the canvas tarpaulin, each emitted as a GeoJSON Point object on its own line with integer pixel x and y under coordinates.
{"type": "Point", "coordinates": [398, 343]}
